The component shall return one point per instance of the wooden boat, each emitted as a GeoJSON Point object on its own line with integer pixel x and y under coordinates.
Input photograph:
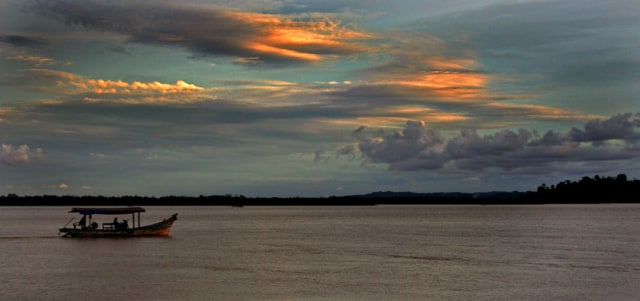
{"type": "Point", "coordinates": [87, 227]}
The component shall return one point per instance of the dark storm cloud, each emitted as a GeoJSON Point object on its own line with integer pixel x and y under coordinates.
{"type": "Point", "coordinates": [206, 30]}
{"type": "Point", "coordinates": [402, 149]}
{"type": "Point", "coordinates": [22, 41]}
{"type": "Point", "coordinates": [419, 148]}
{"type": "Point", "coordinates": [621, 127]}
{"type": "Point", "coordinates": [160, 24]}
{"type": "Point", "coordinates": [470, 143]}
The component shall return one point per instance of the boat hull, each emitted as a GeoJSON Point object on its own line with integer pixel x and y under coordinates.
{"type": "Point", "coordinates": [161, 228]}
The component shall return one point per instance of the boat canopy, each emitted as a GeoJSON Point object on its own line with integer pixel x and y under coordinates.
{"type": "Point", "coordinates": [108, 211]}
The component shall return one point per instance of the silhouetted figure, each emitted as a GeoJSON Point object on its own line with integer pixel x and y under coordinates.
{"type": "Point", "coordinates": [83, 222]}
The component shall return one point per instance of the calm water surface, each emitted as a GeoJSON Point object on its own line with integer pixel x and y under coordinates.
{"type": "Point", "coordinates": [573, 252]}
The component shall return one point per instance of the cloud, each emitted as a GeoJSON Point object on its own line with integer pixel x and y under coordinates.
{"type": "Point", "coordinates": [21, 155]}
{"type": "Point", "coordinates": [101, 86]}
{"type": "Point", "coordinates": [421, 65]}
{"type": "Point", "coordinates": [389, 104]}
{"type": "Point", "coordinates": [570, 42]}
{"type": "Point", "coordinates": [470, 143]}
{"type": "Point", "coordinates": [27, 56]}
{"type": "Point", "coordinates": [618, 127]}
{"type": "Point", "coordinates": [96, 90]}
{"type": "Point", "coordinates": [421, 76]}
{"type": "Point", "coordinates": [205, 30]}
{"type": "Point", "coordinates": [397, 147]}
{"type": "Point", "coordinates": [34, 60]}
{"type": "Point", "coordinates": [419, 148]}
{"type": "Point", "coordinates": [22, 41]}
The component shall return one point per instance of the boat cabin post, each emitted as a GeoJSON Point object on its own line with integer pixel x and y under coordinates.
{"type": "Point", "coordinates": [83, 222]}
{"type": "Point", "coordinates": [133, 219]}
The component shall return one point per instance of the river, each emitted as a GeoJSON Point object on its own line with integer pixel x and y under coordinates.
{"type": "Point", "coordinates": [538, 252]}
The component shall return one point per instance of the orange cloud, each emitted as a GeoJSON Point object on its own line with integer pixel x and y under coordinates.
{"type": "Point", "coordinates": [445, 85]}
{"type": "Point", "coordinates": [451, 63]}
{"type": "Point", "coordinates": [34, 60]}
{"type": "Point", "coordinates": [453, 80]}
{"type": "Point", "coordinates": [101, 86]}
{"type": "Point", "coordinates": [439, 78]}
{"type": "Point", "coordinates": [28, 58]}
{"type": "Point", "coordinates": [263, 48]}
{"type": "Point", "coordinates": [427, 113]}
{"type": "Point", "coordinates": [36, 73]}
{"type": "Point", "coordinates": [268, 93]}
{"type": "Point", "coordinates": [59, 82]}
{"type": "Point", "coordinates": [539, 111]}
{"type": "Point", "coordinates": [209, 30]}
{"type": "Point", "coordinates": [303, 40]}
{"type": "Point", "coordinates": [447, 89]}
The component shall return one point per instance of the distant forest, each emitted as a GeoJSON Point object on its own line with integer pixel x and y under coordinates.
{"type": "Point", "coordinates": [586, 190]}
{"type": "Point", "coordinates": [603, 189]}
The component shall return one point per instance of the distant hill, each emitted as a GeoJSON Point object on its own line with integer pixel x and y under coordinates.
{"type": "Point", "coordinates": [442, 195]}
{"type": "Point", "coordinates": [586, 190]}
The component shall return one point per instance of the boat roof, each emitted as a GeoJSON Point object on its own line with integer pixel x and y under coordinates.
{"type": "Point", "coordinates": [108, 211]}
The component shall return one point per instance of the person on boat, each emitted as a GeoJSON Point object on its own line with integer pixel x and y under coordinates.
{"type": "Point", "coordinates": [125, 224]}
{"type": "Point", "coordinates": [83, 222]}
{"type": "Point", "coordinates": [94, 226]}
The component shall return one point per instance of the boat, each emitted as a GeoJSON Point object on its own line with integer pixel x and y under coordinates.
{"type": "Point", "coordinates": [88, 227]}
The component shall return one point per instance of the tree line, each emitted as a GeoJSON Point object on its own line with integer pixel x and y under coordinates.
{"type": "Point", "coordinates": [599, 189]}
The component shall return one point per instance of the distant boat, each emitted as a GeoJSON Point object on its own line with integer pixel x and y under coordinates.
{"type": "Point", "coordinates": [87, 227]}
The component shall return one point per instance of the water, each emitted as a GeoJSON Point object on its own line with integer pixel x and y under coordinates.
{"type": "Point", "coordinates": [573, 252]}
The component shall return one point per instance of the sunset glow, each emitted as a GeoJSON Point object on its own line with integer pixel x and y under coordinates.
{"type": "Point", "coordinates": [281, 36]}
{"type": "Point", "coordinates": [312, 98]}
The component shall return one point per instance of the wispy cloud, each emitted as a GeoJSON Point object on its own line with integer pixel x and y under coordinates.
{"type": "Point", "coordinates": [101, 86]}
{"type": "Point", "coordinates": [34, 60]}
{"type": "Point", "coordinates": [206, 30]}
{"type": "Point", "coordinates": [23, 41]}
{"type": "Point", "coordinates": [422, 65]}
{"type": "Point", "coordinates": [550, 38]}
{"type": "Point", "coordinates": [418, 73]}
{"type": "Point", "coordinates": [28, 57]}
{"type": "Point", "coordinates": [94, 90]}
{"type": "Point", "coordinates": [420, 77]}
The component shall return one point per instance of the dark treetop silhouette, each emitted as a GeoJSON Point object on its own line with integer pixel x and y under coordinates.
{"type": "Point", "coordinates": [587, 190]}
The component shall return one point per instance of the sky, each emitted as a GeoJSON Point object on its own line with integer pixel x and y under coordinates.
{"type": "Point", "coordinates": [283, 98]}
